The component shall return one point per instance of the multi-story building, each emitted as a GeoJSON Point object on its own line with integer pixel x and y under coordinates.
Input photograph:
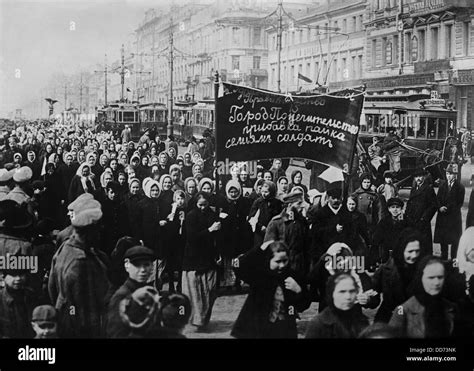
{"type": "Point", "coordinates": [326, 46]}
{"type": "Point", "coordinates": [422, 47]}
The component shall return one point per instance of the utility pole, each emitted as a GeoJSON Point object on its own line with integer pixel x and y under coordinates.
{"type": "Point", "coordinates": [279, 35]}
{"type": "Point", "coordinates": [399, 23]}
{"type": "Point", "coordinates": [153, 66]}
{"type": "Point", "coordinates": [105, 80]}
{"type": "Point", "coordinates": [80, 96]}
{"type": "Point", "coordinates": [170, 94]}
{"type": "Point", "coordinates": [65, 97]}
{"type": "Point", "coordinates": [122, 74]}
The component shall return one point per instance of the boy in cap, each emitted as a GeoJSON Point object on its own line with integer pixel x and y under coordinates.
{"type": "Point", "coordinates": [448, 228]}
{"type": "Point", "coordinates": [388, 190]}
{"type": "Point", "coordinates": [291, 226]}
{"type": "Point", "coordinates": [17, 302]}
{"type": "Point", "coordinates": [138, 262]}
{"type": "Point", "coordinates": [45, 322]}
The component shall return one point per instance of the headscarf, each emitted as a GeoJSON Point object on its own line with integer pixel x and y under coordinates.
{"type": "Point", "coordinates": [466, 245]}
{"type": "Point", "coordinates": [84, 179]}
{"type": "Point", "coordinates": [133, 180]}
{"type": "Point", "coordinates": [34, 154]}
{"type": "Point", "coordinates": [174, 167]}
{"type": "Point", "coordinates": [188, 156]}
{"type": "Point", "coordinates": [137, 157]}
{"type": "Point", "coordinates": [193, 170]}
{"type": "Point", "coordinates": [167, 158]}
{"type": "Point", "coordinates": [186, 181]}
{"type": "Point", "coordinates": [258, 183]}
{"type": "Point", "coordinates": [103, 155]}
{"type": "Point", "coordinates": [147, 184]}
{"type": "Point", "coordinates": [271, 188]}
{"type": "Point", "coordinates": [196, 156]}
{"type": "Point", "coordinates": [293, 174]}
{"type": "Point", "coordinates": [233, 184]}
{"type": "Point", "coordinates": [162, 180]}
{"type": "Point", "coordinates": [102, 177]}
{"type": "Point", "coordinates": [78, 154]}
{"type": "Point", "coordinates": [51, 158]}
{"type": "Point", "coordinates": [18, 154]}
{"type": "Point", "coordinates": [204, 181]}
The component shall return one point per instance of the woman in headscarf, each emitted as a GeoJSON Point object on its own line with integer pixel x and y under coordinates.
{"type": "Point", "coordinates": [123, 159]}
{"type": "Point", "coordinates": [216, 201]}
{"type": "Point", "coordinates": [266, 206]}
{"type": "Point", "coordinates": [187, 169]}
{"type": "Point", "coordinates": [103, 163]}
{"type": "Point", "coordinates": [60, 152]}
{"type": "Point", "coordinates": [257, 187]}
{"type": "Point", "coordinates": [296, 180]}
{"type": "Point", "coordinates": [114, 218]}
{"type": "Point", "coordinates": [342, 318]}
{"type": "Point", "coordinates": [149, 219]}
{"type": "Point", "coordinates": [132, 203]}
{"type": "Point", "coordinates": [199, 281]}
{"type": "Point", "coordinates": [277, 294]}
{"type": "Point", "coordinates": [394, 279]}
{"type": "Point", "coordinates": [52, 195]}
{"type": "Point", "coordinates": [190, 190]}
{"type": "Point", "coordinates": [115, 167]}
{"type": "Point", "coordinates": [233, 216]}
{"type": "Point", "coordinates": [130, 149]}
{"type": "Point", "coordinates": [17, 159]}
{"type": "Point", "coordinates": [82, 182]}
{"type": "Point", "coordinates": [154, 160]}
{"type": "Point", "coordinates": [282, 186]}
{"type": "Point", "coordinates": [81, 156]}
{"type": "Point", "coordinates": [359, 235]}
{"type": "Point", "coordinates": [173, 154]}
{"type": "Point", "coordinates": [33, 164]}
{"type": "Point", "coordinates": [164, 165]}
{"type": "Point", "coordinates": [427, 314]}
{"type": "Point", "coordinates": [175, 235]}
{"type": "Point", "coordinates": [197, 171]}
{"type": "Point", "coordinates": [143, 170]}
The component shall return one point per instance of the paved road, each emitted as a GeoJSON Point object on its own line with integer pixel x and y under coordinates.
{"type": "Point", "coordinates": [227, 307]}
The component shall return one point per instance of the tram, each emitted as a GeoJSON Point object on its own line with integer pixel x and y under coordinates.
{"type": "Point", "coordinates": [193, 118]}
{"type": "Point", "coordinates": [426, 127]}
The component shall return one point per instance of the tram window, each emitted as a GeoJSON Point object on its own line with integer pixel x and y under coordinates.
{"type": "Point", "coordinates": [128, 116]}
{"type": "Point", "coordinates": [411, 124]}
{"type": "Point", "coordinates": [432, 128]}
{"type": "Point", "coordinates": [421, 133]}
{"type": "Point", "coordinates": [442, 128]}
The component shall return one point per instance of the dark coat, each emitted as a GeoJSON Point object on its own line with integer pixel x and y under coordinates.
{"type": "Point", "coordinates": [115, 326]}
{"type": "Point", "coordinates": [326, 325]}
{"type": "Point", "coordinates": [77, 286]}
{"type": "Point", "coordinates": [470, 211]}
{"type": "Point", "coordinates": [16, 308]}
{"type": "Point", "coordinates": [132, 203]}
{"type": "Point", "coordinates": [448, 227]}
{"type": "Point", "coordinates": [268, 209]}
{"type": "Point", "coordinates": [66, 173]}
{"type": "Point", "coordinates": [371, 205]}
{"type": "Point", "coordinates": [420, 209]}
{"type": "Point", "coordinates": [386, 235]}
{"type": "Point", "coordinates": [35, 167]}
{"type": "Point", "coordinates": [253, 320]}
{"type": "Point", "coordinates": [149, 221]}
{"type": "Point", "coordinates": [76, 188]}
{"type": "Point", "coordinates": [200, 251]}
{"type": "Point", "coordinates": [324, 233]}
{"type": "Point", "coordinates": [387, 281]}
{"type": "Point", "coordinates": [295, 233]}
{"type": "Point", "coordinates": [409, 318]}
{"type": "Point", "coordinates": [115, 222]}
{"type": "Point", "coordinates": [176, 230]}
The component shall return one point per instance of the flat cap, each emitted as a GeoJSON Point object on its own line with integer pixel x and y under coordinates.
{"type": "Point", "coordinates": [139, 253]}
{"type": "Point", "coordinates": [44, 314]}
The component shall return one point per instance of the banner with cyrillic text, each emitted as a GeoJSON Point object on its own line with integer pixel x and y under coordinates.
{"type": "Point", "coordinates": [254, 125]}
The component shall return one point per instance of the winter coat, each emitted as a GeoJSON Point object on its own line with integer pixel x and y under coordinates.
{"type": "Point", "coordinates": [115, 326]}
{"type": "Point", "coordinates": [16, 308]}
{"type": "Point", "coordinates": [77, 286]}
{"type": "Point", "coordinates": [14, 245]}
{"type": "Point", "coordinates": [253, 320]}
{"type": "Point", "coordinates": [326, 325]}
{"type": "Point", "coordinates": [18, 195]}
{"type": "Point", "coordinates": [115, 222]}
{"type": "Point", "coordinates": [132, 204]}
{"type": "Point", "coordinates": [371, 205]}
{"type": "Point", "coordinates": [66, 173]}
{"type": "Point", "coordinates": [448, 228]}
{"type": "Point", "coordinates": [149, 222]}
{"type": "Point", "coordinates": [295, 233]}
{"type": "Point", "coordinates": [200, 251]}
{"type": "Point", "coordinates": [409, 318]}
{"type": "Point", "coordinates": [421, 207]}
{"type": "Point", "coordinates": [268, 209]}
{"type": "Point", "coordinates": [386, 235]}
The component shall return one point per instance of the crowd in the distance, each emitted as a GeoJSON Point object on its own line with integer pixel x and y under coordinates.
{"type": "Point", "coordinates": [138, 240]}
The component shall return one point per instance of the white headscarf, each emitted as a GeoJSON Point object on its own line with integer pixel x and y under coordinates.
{"type": "Point", "coordinates": [466, 245]}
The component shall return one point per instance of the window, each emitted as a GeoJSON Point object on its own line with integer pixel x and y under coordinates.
{"type": "Point", "coordinates": [449, 41]}
{"type": "Point", "coordinates": [292, 76]}
{"type": "Point", "coordinates": [301, 36]}
{"type": "Point", "coordinates": [354, 68]}
{"type": "Point", "coordinates": [384, 51]}
{"type": "Point", "coordinates": [354, 24]}
{"type": "Point", "coordinates": [345, 71]}
{"type": "Point", "coordinates": [256, 62]}
{"type": "Point", "coordinates": [421, 45]}
{"type": "Point", "coordinates": [395, 49]}
{"type": "Point", "coordinates": [360, 66]}
{"type": "Point", "coordinates": [389, 53]}
{"type": "Point", "coordinates": [344, 25]}
{"type": "Point", "coordinates": [273, 76]}
{"type": "Point", "coordinates": [235, 35]}
{"type": "Point", "coordinates": [336, 24]}
{"type": "Point", "coordinates": [361, 22]}
{"type": "Point", "coordinates": [434, 43]}
{"type": "Point", "coordinates": [235, 62]}
{"type": "Point", "coordinates": [308, 69]}
{"type": "Point", "coordinates": [466, 38]}
{"type": "Point", "coordinates": [325, 31]}
{"type": "Point", "coordinates": [415, 51]}
{"type": "Point", "coordinates": [257, 36]}
{"type": "Point", "coordinates": [317, 74]}
{"type": "Point", "coordinates": [374, 53]}
{"type": "Point", "coordinates": [408, 48]}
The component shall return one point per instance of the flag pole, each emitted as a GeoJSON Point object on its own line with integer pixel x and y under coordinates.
{"type": "Point", "coordinates": [216, 96]}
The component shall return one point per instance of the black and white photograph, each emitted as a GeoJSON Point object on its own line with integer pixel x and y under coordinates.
{"type": "Point", "coordinates": [188, 175]}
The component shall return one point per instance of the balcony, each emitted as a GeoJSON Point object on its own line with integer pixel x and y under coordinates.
{"type": "Point", "coordinates": [258, 72]}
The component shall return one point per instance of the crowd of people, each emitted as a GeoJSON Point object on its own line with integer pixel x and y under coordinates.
{"type": "Point", "coordinates": [113, 223]}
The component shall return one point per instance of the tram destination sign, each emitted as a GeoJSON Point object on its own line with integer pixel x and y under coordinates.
{"type": "Point", "coordinates": [253, 124]}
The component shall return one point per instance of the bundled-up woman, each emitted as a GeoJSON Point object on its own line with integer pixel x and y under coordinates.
{"type": "Point", "coordinates": [296, 180]}
{"type": "Point", "coordinates": [264, 209]}
{"type": "Point", "coordinates": [163, 163]}
{"type": "Point", "coordinates": [149, 219]}
{"type": "Point", "coordinates": [277, 294]}
{"type": "Point", "coordinates": [234, 213]}
{"type": "Point", "coordinates": [199, 263]}
{"type": "Point", "coordinates": [82, 182]}
{"type": "Point", "coordinates": [216, 200]}
{"type": "Point", "coordinates": [132, 203]}
{"type": "Point", "coordinates": [52, 195]}
{"type": "Point", "coordinates": [342, 318]}
{"type": "Point", "coordinates": [190, 190]}
{"type": "Point", "coordinates": [115, 217]}
{"type": "Point", "coordinates": [177, 237]}
{"type": "Point", "coordinates": [282, 187]}
{"type": "Point", "coordinates": [359, 235]}
{"type": "Point", "coordinates": [427, 314]}
{"type": "Point", "coordinates": [394, 279]}
{"type": "Point", "coordinates": [143, 171]}
{"type": "Point", "coordinates": [187, 169]}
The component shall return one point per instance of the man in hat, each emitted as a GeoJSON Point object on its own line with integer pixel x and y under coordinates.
{"type": "Point", "coordinates": [45, 322]}
{"type": "Point", "coordinates": [6, 183]}
{"type": "Point", "coordinates": [17, 302]}
{"type": "Point", "coordinates": [422, 206]}
{"type": "Point", "coordinates": [21, 177]}
{"type": "Point", "coordinates": [126, 135]}
{"type": "Point", "coordinates": [15, 223]}
{"type": "Point", "coordinates": [78, 282]}
{"type": "Point", "coordinates": [329, 223]}
{"type": "Point", "coordinates": [138, 263]}
{"type": "Point", "coordinates": [291, 227]}
{"type": "Point", "coordinates": [450, 198]}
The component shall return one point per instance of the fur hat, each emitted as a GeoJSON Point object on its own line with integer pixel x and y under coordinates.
{"type": "Point", "coordinates": [86, 213]}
